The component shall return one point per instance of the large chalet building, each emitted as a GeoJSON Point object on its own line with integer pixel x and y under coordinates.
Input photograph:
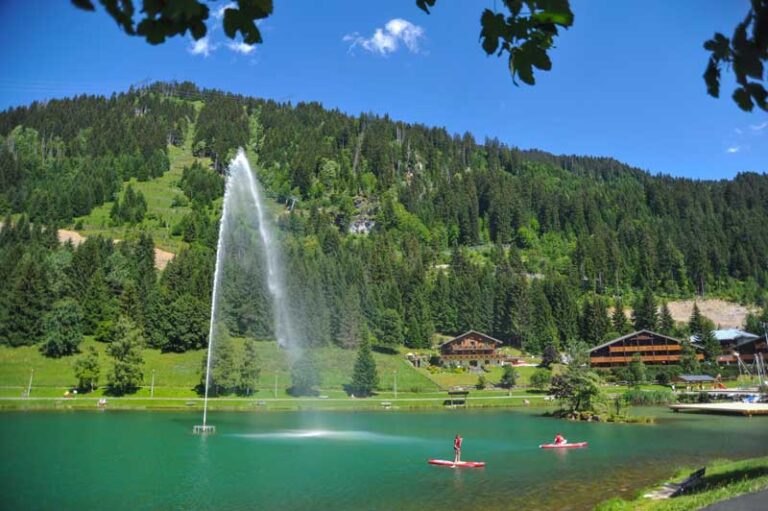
{"type": "Point", "coordinates": [747, 350]}
{"type": "Point", "coordinates": [472, 349]}
{"type": "Point", "coordinates": [653, 348]}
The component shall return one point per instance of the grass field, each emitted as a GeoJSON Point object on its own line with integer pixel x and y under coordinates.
{"type": "Point", "coordinates": [723, 480]}
{"type": "Point", "coordinates": [447, 378]}
{"type": "Point", "coordinates": [177, 374]}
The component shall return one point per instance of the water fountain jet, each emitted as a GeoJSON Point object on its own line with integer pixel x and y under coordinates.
{"type": "Point", "coordinates": [240, 179]}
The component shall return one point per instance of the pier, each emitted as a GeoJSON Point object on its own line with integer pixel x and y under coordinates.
{"type": "Point", "coordinates": [204, 429]}
{"type": "Point", "coordinates": [748, 409]}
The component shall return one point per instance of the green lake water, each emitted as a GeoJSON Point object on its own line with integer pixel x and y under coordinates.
{"type": "Point", "coordinates": [346, 460]}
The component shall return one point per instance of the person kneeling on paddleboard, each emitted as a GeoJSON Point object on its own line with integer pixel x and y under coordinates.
{"type": "Point", "coordinates": [559, 440]}
{"type": "Point", "coordinates": [457, 448]}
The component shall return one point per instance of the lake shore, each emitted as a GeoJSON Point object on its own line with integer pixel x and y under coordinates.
{"type": "Point", "coordinates": [384, 402]}
{"type": "Point", "coordinates": [722, 481]}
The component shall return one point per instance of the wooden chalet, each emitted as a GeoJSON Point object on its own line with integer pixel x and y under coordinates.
{"type": "Point", "coordinates": [746, 350]}
{"type": "Point", "coordinates": [653, 348]}
{"type": "Point", "coordinates": [472, 349]}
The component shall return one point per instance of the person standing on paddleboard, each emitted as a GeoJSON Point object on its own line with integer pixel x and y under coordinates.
{"type": "Point", "coordinates": [457, 448]}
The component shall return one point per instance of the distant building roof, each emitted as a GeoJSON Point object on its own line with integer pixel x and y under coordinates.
{"type": "Point", "coordinates": [729, 335]}
{"type": "Point", "coordinates": [472, 332]}
{"type": "Point", "coordinates": [695, 378]}
{"type": "Point", "coordinates": [632, 335]}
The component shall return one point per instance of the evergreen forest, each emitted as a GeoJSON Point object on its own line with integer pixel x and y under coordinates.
{"type": "Point", "coordinates": [392, 232]}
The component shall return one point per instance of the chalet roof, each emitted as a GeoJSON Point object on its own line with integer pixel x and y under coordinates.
{"type": "Point", "coordinates": [695, 378]}
{"type": "Point", "coordinates": [623, 337]}
{"type": "Point", "coordinates": [729, 334]}
{"type": "Point", "coordinates": [756, 339]}
{"type": "Point", "coordinates": [467, 334]}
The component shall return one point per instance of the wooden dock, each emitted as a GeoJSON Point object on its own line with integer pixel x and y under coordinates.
{"type": "Point", "coordinates": [727, 408]}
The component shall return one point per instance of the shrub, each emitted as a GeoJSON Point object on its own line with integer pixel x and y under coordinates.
{"type": "Point", "coordinates": [637, 397]}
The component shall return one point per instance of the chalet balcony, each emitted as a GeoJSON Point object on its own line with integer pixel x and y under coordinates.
{"type": "Point", "coordinates": [479, 353]}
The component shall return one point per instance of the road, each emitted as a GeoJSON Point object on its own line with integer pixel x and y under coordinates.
{"type": "Point", "coordinates": [751, 502]}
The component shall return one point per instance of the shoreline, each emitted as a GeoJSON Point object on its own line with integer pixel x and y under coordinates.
{"type": "Point", "coordinates": [237, 404]}
{"type": "Point", "coordinates": [723, 480]}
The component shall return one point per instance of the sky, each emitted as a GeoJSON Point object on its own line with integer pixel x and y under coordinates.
{"type": "Point", "coordinates": [626, 79]}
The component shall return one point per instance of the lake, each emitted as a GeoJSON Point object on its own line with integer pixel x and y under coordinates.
{"type": "Point", "coordinates": [346, 460]}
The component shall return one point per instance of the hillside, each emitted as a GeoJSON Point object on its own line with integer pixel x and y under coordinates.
{"type": "Point", "coordinates": [449, 234]}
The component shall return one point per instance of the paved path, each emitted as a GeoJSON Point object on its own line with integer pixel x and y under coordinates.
{"type": "Point", "coordinates": [751, 502]}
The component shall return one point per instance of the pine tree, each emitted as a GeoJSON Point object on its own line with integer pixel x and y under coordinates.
{"type": "Point", "coordinates": [225, 373]}
{"type": "Point", "coordinates": [666, 323]}
{"type": "Point", "coordinates": [689, 363]}
{"type": "Point", "coordinates": [645, 315]}
{"type": "Point", "coordinates": [97, 303]}
{"type": "Point", "coordinates": [594, 321]}
{"type": "Point", "coordinates": [350, 324]}
{"type": "Point", "coordinates": [27, 302]}
{"type": "Point", "coordinates": [126, 373]}
{"type": "Point", "coordinates": [619, 319]}
{"type": "Point", "coordinates": [63, 329]}
{"type": "Point", "coordinates": [696, 322]}
{"type": "Point", "coordinates": [304, 375]}
{"type": "Point", "coordinates": [711, 345]}
{"type": "Point", "coordinates": [88, 370]}
{"type": "Point", "coordinates": [391, 328]}
{"type": "Point", "coordinates": [365, 378]}
{"type": "Point", "coordinates": [250, 369]}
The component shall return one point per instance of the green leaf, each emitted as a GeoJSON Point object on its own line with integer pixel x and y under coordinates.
{"type": "Point", "coordinates": [712, 78]}
{"type": "Point", "coordinates": [520, 65]}
{"type": "Point", "coordinates": [559, 18]}
{"type": "Point", "coordinates": [424, 5]}
{"type": "Point", "coordinates": [86, 5]}
{"type": "Point", "coordinates": [494, 28]}
{"type": "Point", "coordinates": [759, 94]}
{"type": "Point", "coordinates": [743, 99]}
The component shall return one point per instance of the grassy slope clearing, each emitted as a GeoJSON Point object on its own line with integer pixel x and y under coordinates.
{"type": "Point", "coordinates": [160, 194]}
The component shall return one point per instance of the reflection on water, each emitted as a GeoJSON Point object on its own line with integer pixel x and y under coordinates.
{"type": "Point", "coordinates": [302, 434]}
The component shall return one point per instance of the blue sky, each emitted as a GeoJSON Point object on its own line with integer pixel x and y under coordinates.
{"type": "Point", "coordinates": [626, 79]}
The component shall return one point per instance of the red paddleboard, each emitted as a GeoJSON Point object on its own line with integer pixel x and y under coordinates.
{"type": "Point", "coordinates": [564, 446]}
{"type": "Point", "coordinates": [464, 464]}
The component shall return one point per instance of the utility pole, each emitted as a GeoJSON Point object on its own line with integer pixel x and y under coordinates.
{"type": "Point", "coordinates": [29, 387]}
{"type": "Point", "coordinates": [152, 388]}
{"type": "Point", "coordinates": [395, 384]}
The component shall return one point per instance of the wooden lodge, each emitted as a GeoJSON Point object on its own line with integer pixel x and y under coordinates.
{"type": "Point", "coordinates": [653, 348]}
{"type": "Point", "coordinates": [747, 350]}
{"type": "Point", "coordinates": [472, 349]}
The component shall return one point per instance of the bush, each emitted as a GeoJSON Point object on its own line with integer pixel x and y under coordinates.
{"type": "Point", "coordinates": [637, 397]}
{"type": "Point", "coordinates": [480, 382]}
{"type": "Point", "coordinates": [541, 378]}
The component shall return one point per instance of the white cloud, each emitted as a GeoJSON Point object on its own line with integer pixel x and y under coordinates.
{"type": "Point", "coordinates": [388, 39]}
{"type": "Point", "coordinates": [733, 149]}
{"type": "Point", "coordinates": [241, 47]}
{"type": "Point", "coordinates": [202, 47]}
{"type": "Point", "coordinates": [758, 127]}
{"type": "Point", "coordinates": [219, 13]}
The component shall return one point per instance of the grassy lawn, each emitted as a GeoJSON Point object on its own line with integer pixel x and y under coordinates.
{"type": "Point", "coordinates": [723, 480]}
{"type": "Point", "coordinates": [447, 378]}
{"type": "Point", "coordinates": [177, 374]}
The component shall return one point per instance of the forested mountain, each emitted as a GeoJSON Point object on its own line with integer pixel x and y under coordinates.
{"type": "Point", "coordinates": [391, 230]}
